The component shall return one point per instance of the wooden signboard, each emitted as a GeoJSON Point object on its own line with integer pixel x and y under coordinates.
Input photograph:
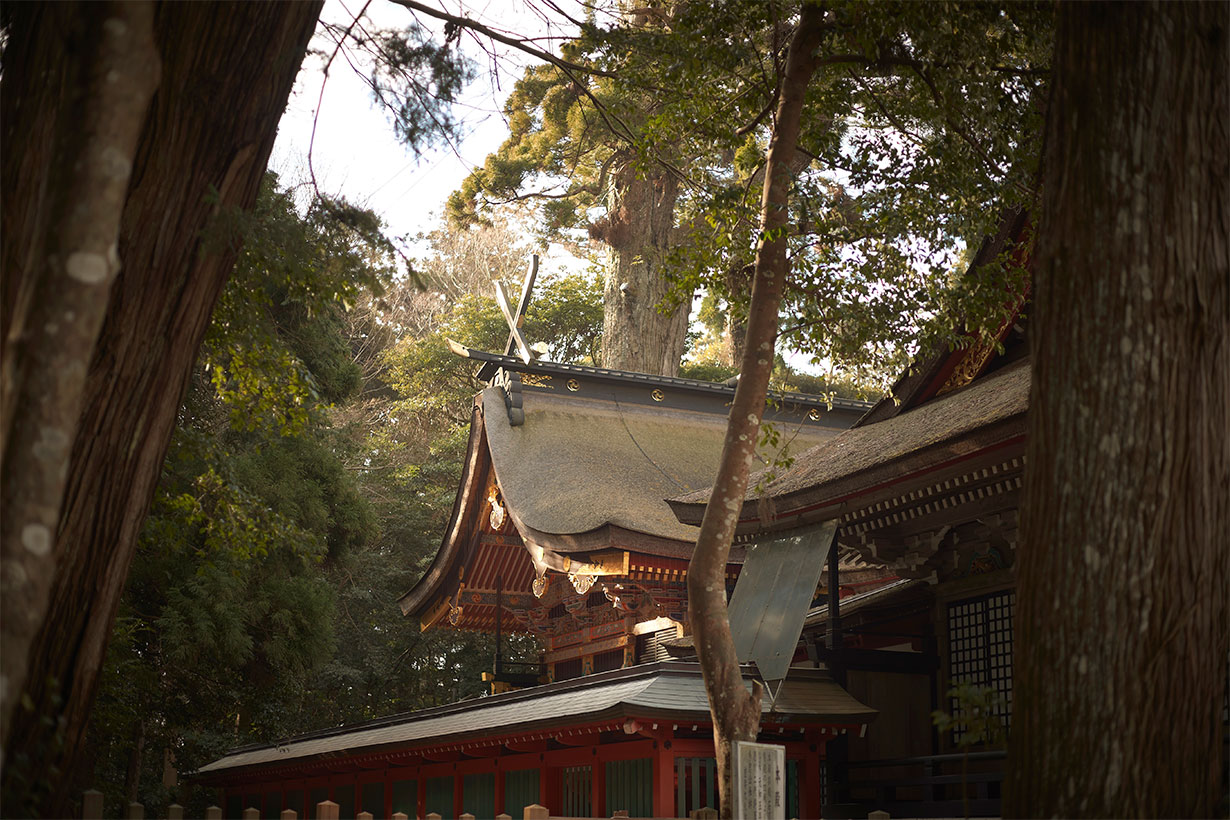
{"type": "Point", "coordinates": [759, 781]}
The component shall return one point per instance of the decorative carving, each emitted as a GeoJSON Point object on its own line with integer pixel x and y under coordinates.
{"type": "Point", "coordinates": [536, 380]}
{"type": "Point", "coordinates": [581, 582]}
{"type": "Point", "coordinates": [971, 363]}
{"type": "Point", "coordinates": [574, 385]}
{"type": "Point", "coordinates": [539, 587]}
{"type": "Point", "coordinates": [497, 510]}
{"type": "Point", "coordinates": [657, 395]}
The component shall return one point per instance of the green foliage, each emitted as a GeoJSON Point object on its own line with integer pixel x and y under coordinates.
{"type": "Point", "coordinates": [230, 606]}
{"type": "Point", "coordinates": [920, 130]}
{"type": "Point", "coordinates": [975, 716]}
{"type": "Point", "coordinates": [565, 315]}
{"type": "Point", "coordinates": [275, 351]}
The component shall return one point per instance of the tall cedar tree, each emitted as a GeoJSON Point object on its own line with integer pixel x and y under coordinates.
{"type": "Point", "coordinates": [226, 75]}
{"type": "Point", "coordinates": [1122, 620]}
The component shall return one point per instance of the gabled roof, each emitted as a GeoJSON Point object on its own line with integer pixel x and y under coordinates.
{"type": "Point", "coordinates": [987, 413]}
{"type": "Point", "coordinates": [585, 458]}
{"type": "Point", "coordinates": [578, 466]}
{"type": "Point", "coordinates": [670, 690]}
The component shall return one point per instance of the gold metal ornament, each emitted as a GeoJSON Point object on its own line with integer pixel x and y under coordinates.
{"type": "Point", "coordinates": [581, 582]}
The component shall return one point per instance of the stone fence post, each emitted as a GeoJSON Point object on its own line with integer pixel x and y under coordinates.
{"type": "Point", "coordinates": [136, 811]}
{"type": "Point", "coordinates": [537, 812]}
{"type": "Point", "coordinates": [175, 812]}
{"type": "Point", "coordinates": [288, 814]}
{"type": "Point", "coordinates": [213, 813]}
{"type": "Point", "coordinates": [327, 810]}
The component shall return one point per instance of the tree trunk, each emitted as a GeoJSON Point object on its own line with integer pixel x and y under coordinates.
{"type": "Point", "coordinates": [132, 776]}
{"type": "Point", "coordinates": [105, 54]}
{"type": "Point", "coordinates": [636, 335]}
{"type": "Point", "coordinates": [227, 71]}
{"type": "Point", "coordinates": [736, 713]}
{"type": "Point", "coordinates": [1122, 620]}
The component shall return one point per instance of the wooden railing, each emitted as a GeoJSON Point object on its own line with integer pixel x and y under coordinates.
{"type": "Point", "coordinates": [92, 809]}
{"type": "Point", "coordinates": [949, 785]}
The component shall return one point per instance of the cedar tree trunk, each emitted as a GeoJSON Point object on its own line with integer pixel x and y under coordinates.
{"type": "Point", "coordinates": [227, 70]}
{"type": "Point", "coordinates": [735, 711]}
{"type": "Point", "coordinates": [97, 93]}
{"type": "Point", "coordinates": [1121, 634]}
{"type": "Point", "coordinates": [636, 335]}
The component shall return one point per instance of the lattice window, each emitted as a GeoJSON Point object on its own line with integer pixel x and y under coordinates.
{"type": "Point", "coordinates": [980, 649]}
{"type": "Point", "coordinates": [629, 787]}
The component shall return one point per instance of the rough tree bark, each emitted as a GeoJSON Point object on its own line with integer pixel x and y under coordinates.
{"type": "Point", "coordinates": [635, 334]}
{"type": "Point", "coordinates": [735, 711]}
{"type": "Point", "coordinates": [227, 72]}
{"type": "Point", "coordinates": [108, 61]}
{"type": "Point", "coordinates": [1122, 621]}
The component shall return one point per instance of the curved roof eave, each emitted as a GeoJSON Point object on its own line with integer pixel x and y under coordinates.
{"type": "Point", "coordinates": [474, 471]}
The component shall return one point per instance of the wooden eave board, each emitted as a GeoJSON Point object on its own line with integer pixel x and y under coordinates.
{"type": "Point", "coordinates": [425, 594]}
{"type": "Point", "coordinates": [925, 376]}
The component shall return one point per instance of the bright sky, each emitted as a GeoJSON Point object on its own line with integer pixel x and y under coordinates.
{"type": "Point", "coordinates": [355, 153]}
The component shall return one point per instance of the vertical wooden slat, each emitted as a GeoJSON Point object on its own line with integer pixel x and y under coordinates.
{"type": "Point", "coordinates": [711, 781]}
{"type": "Point", "coordinates": [681, 801]}
{"type": "Point", "coordinates": [696, 783]}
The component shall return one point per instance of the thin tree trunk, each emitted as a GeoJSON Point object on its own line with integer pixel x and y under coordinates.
{"type": "Point", "coordinates": [61, 290]}
{"type": "Point", "coordinates": [735, 711]}
{"type": "Point", "coordinates": [1122, 623]}
{"type": "Point", "coordinates": [132, 777]}
{"type": "Point", "coordinates": [202, 151]}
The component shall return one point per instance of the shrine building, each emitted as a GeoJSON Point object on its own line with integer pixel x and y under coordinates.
{"type": "Point", "coordinates": [561, 530]}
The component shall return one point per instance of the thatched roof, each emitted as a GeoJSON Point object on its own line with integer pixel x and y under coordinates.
{"type": "Point", "coordinates": [579, 464]}
{"type": "Point", "coordinates": [990, 410]}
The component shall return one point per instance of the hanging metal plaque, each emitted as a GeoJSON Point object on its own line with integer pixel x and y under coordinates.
{"type": "Point", "coordinates": [771, 599]}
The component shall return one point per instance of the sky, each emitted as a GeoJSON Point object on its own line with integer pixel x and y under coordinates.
{"type": "Point", "coordinates": [355, 154]}
{"type": "Point", "coordinates": [354, 151]}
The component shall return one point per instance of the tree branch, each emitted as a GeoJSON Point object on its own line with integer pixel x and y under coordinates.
{"type": "Point", "coordinates": [521, 45]}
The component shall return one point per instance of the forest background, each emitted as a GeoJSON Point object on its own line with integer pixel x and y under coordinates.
{"type": "Point", "coordinates": [316, 456]}
{"type": "Point", "coordinates": [314, 452]}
